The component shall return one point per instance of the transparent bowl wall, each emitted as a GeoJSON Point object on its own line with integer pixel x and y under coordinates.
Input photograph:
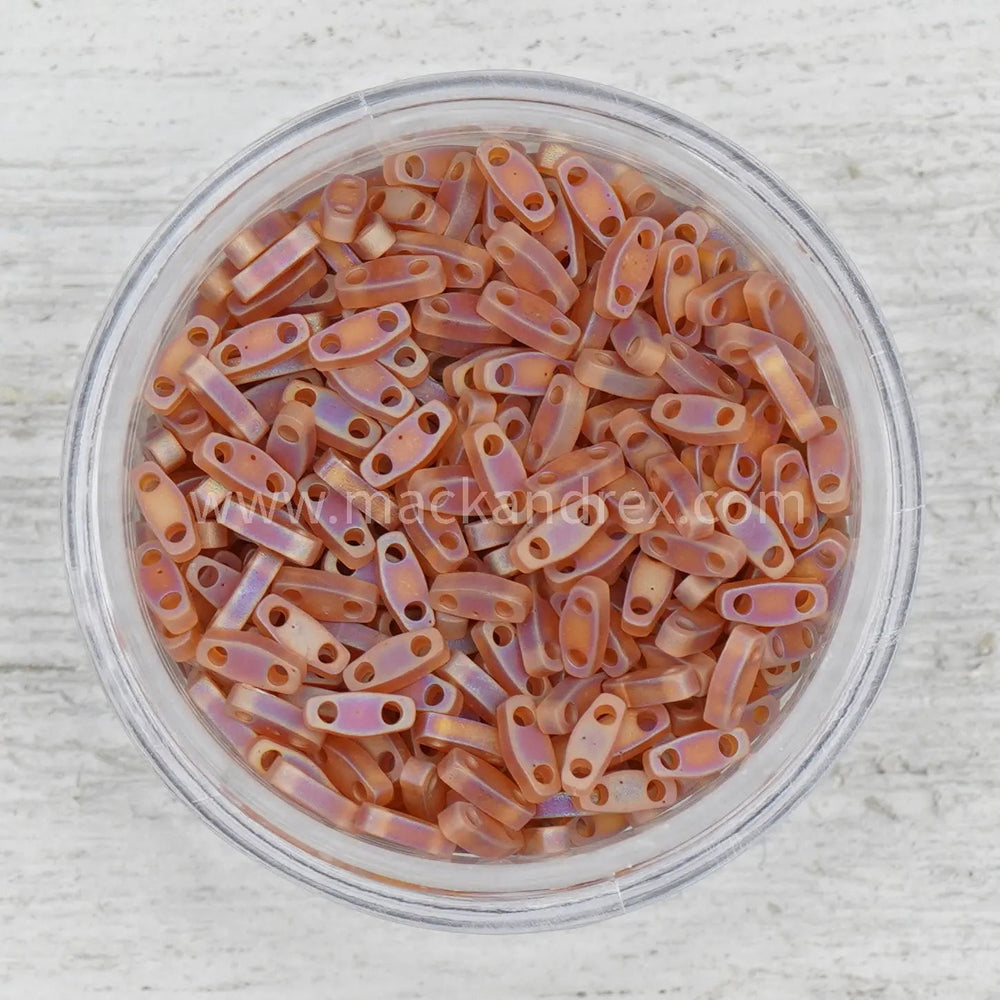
{"type": "Point", "coordinates": [863, 376]}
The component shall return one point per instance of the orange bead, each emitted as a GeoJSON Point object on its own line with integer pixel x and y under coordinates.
{"type": "Point", "coordinates": [515, 181]}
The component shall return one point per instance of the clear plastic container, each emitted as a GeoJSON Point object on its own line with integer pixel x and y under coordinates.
{"type": "Point", "coordinates": [863, 376]}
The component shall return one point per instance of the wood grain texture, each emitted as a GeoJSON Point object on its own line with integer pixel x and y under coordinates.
{"type": "Point", "coordinates": [885, 118]}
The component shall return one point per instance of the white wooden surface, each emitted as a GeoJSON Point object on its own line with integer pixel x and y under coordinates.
{"type": "Point", "coordinates": [885, 117]}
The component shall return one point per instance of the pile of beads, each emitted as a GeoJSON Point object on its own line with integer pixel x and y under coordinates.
{"type": "Point", "coordinates": [487, 503]}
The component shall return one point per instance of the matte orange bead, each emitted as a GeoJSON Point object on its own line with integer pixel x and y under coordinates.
{"type": "Point", "coordinates": [486, 787]}
{"type": "Point", "coordinates": [529, 319]}
{"type": "Point", "coordinates": [681, 497]}
{"type": "Point", "coordinates": [689, 226]}
{"type": "Point", "coordinates": [733, 677]}
{"type": "Point", "coordinates": [251, 659]}
{"type": "Point", "coordinates": [632, 507]}
{"type": "Point", "coordinates": [676, 273]}
{"type": "Point", "coordinates": [166, 511]}
{"type": "Point", "coordinates": [638, 341]}
{"type": "Point", "coordinates": [716, 555]}
{"type": "Point", "coordinates": [405, 831]}
{"type": "Point", "coordinates": [531, 266]}
{"type": "Point", "coordinates": [465, 266]}
{"type": "Point", "coordinates": [390, 279]}
{"type": "Point", "coordinates": [442, 732]}
{"type": "Point", "coordinates": [338, 424]}
{"type": "Point", "coordinates": [360, 338]}
{"type": "Point", "coordinates": [765, 544]}
{"type": "Point", "coordinates": [627, 267]}
{"type": "Point", "coordinates": [734, 342]}
{"type": "Point", "coordinates": [688, 371]}
{"type": "Point", "coordinates": [222, 400]}
{"type": "Point", "coordinates": [292, 440]}
{"type": "Point", "coordinates": [557, 422]}
{"type": "Point", "coordinates": [269, 714]}
{"type": "Point", "coordinates": [584, 625]}
{"type": "Point", "coordinates": [360, 713]}
{"type": "Point", "coordinates": [591, 198]}
{"type": "Point", "coordinates": [261, 274]}
{"type": "Point", "coordinates": [655, 685]}
{"type": "Point", "coordinates": [375, 239]}
{"type": "Point", "coordinates": [629, 791]}
{"type": "Point", "coordinates": [374, 503]}
{"type": "Point", "coordinates": [281, 294]}
{"type": "Point", "coordinates": [431, 694]}
{"type": "Point", "coordinates": [290, 542]}
{"type": "Point", "coordinates": [501, 658]}
{"type": "Point", "coordinates": [641, 728]}
{"type": "Point", "coordinates": [787, 496]}
{"type": "Point", "coordinates": [476, 833]}
{"type": "Point", "coordinates": [342, 528]}
{"type": "Point", "coordinates": [478, 596]}
{"type": "Point", "coordinates": [697, 754]}
{"type": "Point", "coordinates": [206, 694]}
{"type": "Point", "coordinates": [824, 559]}
{"type": "Point", "coordinates": [373, 390]}
{"type": "Point", "coordinates": [829, 461]}
{"type": "Point", "coordinates": [771, 307]}
{"type": "Point", "coordinates": [603, 556]}
{"type": "Point", "coordinates": [591, 742]}
{"type": "Point", "coordinates": [650, 586]}
{"type": "Point", "coordinates": [251, 242]}
{"type": "Point", "coordinates": [164, 590]}
{"type": "Point", "coordinates": [328, 596]}
{"type": "Point", "coordinates": [460, 194]}
{"type": "Point", "coordinates": [404, 208]}
{"type": "Point", "coordinates": [697, 419]}
{"type": "Point", "coordinates": [718, 300]}
{"type": "Point", "coordinates": [299, 632]}
{"type": "Point", "coordinates": [787, 391]}
{"type": "Point", "coordinates": [397, 661]}
{"type": "Point", "coordinates": [342, 207]}
{"type": "Point", "coordinates": [411, 444]}
{"type": "Point", "coordinates": [480, 692]}
{"type": "Point", "coordinates": [537, 636]}
{"type": "Point", "coordinates": [313, 795]}
{"type": "Point", "coordinates": [515, 181]}
{"type": "Point", "coordinates": [422, 791]}
{"type": "Point", "coordinates": [772, 602]}
{"type": "Point", "coordinates": [606, 372]}
{"type": "Point", "coordinates": [517, 373]}
{"type": "Point", "coordinates": [563, 237]}
{"type": "Point", "coordinates": [739, 465]}
{"type": "Point", "coordinates": [354, 772]}
{"type": "Point", "coordinates": [578, 473]}
{"type": "Point", "coordinates": [244, 469]}
{"type": "Point", "coordinates": [498, 469]}
{"type": "Point", "coordinates": [551, 538]}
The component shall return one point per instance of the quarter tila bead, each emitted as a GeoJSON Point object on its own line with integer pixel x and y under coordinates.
{"type": "Point", "coordinates": [591, 198]}
{"type": "Point", "coordinates": [360, 713]}
{"type": "Point", "coordinates": [591, 743]}
{"type": "Point", "coordinates": [166, 511]}
{"type": "Point", "coordinates": [696, 755]}
{"type": "Point", "coordinates": [342, 207]}
{"type": "Point", "coordinates": [627, 267]}
{"type": "Point", "coordinates": [397, 661]}
{"type": "Point", "coordinates": [359, 338]}
{"type": "Point", "coordinates": [251, 659]}
{"type": "Point", "coordinates": [516, 182]}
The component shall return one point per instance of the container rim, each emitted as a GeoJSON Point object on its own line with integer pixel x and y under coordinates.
{"type": "Point", "coordinates": [560, 907]}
